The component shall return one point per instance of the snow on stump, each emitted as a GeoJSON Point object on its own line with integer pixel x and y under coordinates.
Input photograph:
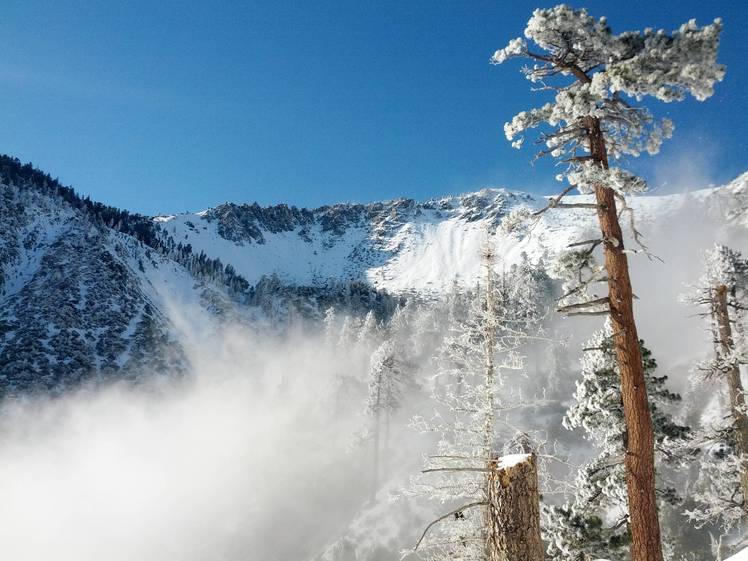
{"type": "Point", "coordinates": [741, 556]}
{"type": "Point", "coordinates": [513, 512]}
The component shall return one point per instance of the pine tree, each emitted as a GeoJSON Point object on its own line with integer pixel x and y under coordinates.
{"type": "Point", "coordinates": [595, 523]}
{"type": "Point", "coordinates": [595, 75]}
{"type": "Point", "coordinates": [341, 335]}
{"type": "Point", "coordinates": [369, 327]}
{"type": "Point", "coordinates": [558, 367]}
{"type": "Point", "coordinates": [347, 332]}
{"type": "Point", "coordinates": [721, 488]}
{"type": "Point", "coordinates": [390, 375]}
{"type": "Point", "coordinates": [452, 354]}
{"type": "Point", "coordinates": [330, 323]}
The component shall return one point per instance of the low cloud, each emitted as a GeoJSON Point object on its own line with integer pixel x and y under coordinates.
{"type": "Point", "coordinates": [243, 460]}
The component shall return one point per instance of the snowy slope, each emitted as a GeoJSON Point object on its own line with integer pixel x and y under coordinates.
{"type": "Point", "coordinates": [80, 301]}
{"type": "Point", "coordinates": [403, 245]}
{"type": "Point", "coordinates": [304, 262]}
{"type": "Point", "coordinates": [741, 556]}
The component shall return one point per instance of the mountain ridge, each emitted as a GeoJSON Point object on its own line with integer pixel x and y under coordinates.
{"type": "Point", "coordinates": [88, 292]}
{"type": "Point", "coordinates": [377, 242]}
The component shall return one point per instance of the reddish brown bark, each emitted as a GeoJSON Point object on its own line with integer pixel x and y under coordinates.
{"type": "Point", "coordinates": [734, 384]}
{"type": "Point", "coordinates": [640, 472]}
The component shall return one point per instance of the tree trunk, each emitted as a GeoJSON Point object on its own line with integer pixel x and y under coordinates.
{"type": "Point", "coordinates": [513, 512]}
{"type": "Point", "coordinates": [734, 384]}
{"type": "Point", "coordinates": [375, 475]}
{"type": "Point", "coordinates": [640, 472]}
{"type": "Point", "coordinates": [386, 451]}
{"type": "Point", "coordinates": [489, 336]}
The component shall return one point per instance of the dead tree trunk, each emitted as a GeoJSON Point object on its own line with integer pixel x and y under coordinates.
{"type": "Point", "coordinates": [726, 347]}
{"type": "Point", "coordinates": [489, 348]}
{"type": "Point", "coordinates": [377, 417]}
{"type": "Point", "coordinates": [386, 451]}
{"type": "Point", "coordinates": [513, 511]}
{"type": "Point", "coordinates": [640, 471]}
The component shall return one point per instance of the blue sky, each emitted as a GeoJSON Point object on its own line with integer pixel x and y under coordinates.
{"type": "Point", "coordinates": [173, 106]}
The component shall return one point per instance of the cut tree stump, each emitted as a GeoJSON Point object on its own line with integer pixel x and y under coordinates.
{"type": "Point", "coordinates": [513, 511]}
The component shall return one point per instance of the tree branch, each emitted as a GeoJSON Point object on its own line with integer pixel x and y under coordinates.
{"type": "Point", "coordinates": [576, 308]}
{"type": "Point", "coordinates": [553, 202]}
{"type": "Point", "coordinates": [455, 511]}
{"type": "Point", "coordinates": [594, 243]}
{"type": "Point", "coordinates": [599, 313]}
{"type": "Point", "coordinates": [431, 470]}
{"type": "Point", "coordinates": [575, 205]}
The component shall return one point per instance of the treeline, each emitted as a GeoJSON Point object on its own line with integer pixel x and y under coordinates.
{"type": "Point", "coordinates": [142, 228]}
{"type": "Point", "coordinates": [138, 226]}
{"type": "Point", "coordinates": [354, 296]}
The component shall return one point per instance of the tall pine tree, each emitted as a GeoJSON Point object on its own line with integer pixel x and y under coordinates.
{"type": "Point", "coordinates": [594, 524]}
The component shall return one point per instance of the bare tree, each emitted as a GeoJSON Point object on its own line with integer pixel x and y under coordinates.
{"type": "Point", "coordinates": [472, 407]}
{"type": "Point", "coordinates": [729, 364]}
{"type": "Point", "coordinates": [722, 487]}
{"type": "Point", "coordinates": [591, 122]}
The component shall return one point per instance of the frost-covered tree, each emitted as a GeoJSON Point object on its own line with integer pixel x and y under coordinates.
{"type": "Point", "coordinates": [347, 334]}
{"type": "Point", "coordinates": [341, 334]}
{"type": "Point", "coordinates": [368, 329]}
{"type": "Point", "coordinates": [722, 486]}
{"type": "Point", "coordinates": [471, 400]}
{"type": "Point", "coordinates": [595, 522]}
{"type": "Point", "coordinates": [390, 376]}
{"type": "Point", "coordinates": [557, 366]}
{"type": "Point", "coordinates": [452, 359]}
{"type": "Point", "coordinates": [329, 324]}
{"type": "Point", "coordinates": [595, 76]}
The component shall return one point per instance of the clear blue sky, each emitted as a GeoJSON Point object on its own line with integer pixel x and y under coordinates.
{"type": "Point", "coordinates": [169, 106]}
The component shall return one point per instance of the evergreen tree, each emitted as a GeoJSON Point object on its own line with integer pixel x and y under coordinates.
{"type": "Point", "coordinates": [390, 375]}
{"type": "Point", "coordinates": [595, 523]}
{"type": "Point", "coordinates": [596, 77]}
{"type": "Point", "coordinates": [719, 492]}
{"type": "Point", "coordinates": [330, 322]}
{"type": "Point", "coordinates": [367, 333]}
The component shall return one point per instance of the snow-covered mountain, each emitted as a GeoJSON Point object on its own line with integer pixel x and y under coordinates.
{"type": "Point", "coordinates": [404, 245]}
{"type": "Point", "coordinates": [397, 245]}
{"type": "Point", "coordinates": [88, 291]}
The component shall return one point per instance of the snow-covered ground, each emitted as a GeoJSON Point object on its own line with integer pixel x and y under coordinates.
{"type": "Point", "coordinates": [742, 556]}
{"type": "Point", "coordinates": [427, 247]}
